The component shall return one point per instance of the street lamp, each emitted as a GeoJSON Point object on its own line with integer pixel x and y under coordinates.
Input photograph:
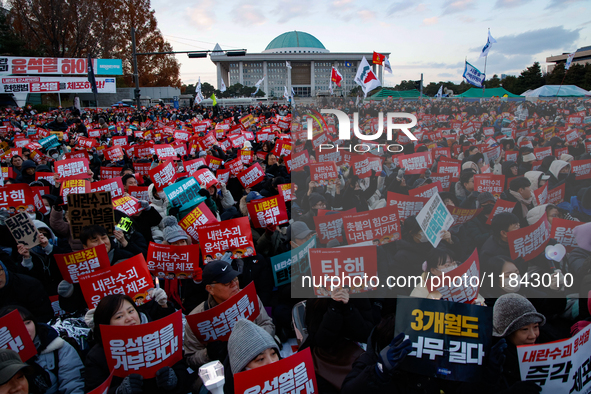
{"type": "Point", "coordinates": [190, 54]}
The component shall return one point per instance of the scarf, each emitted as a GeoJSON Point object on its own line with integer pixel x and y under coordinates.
{"type": "Point", "coordinates": [523, 201]}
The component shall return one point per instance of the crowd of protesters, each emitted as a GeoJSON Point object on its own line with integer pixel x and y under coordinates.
{"type": "Point", "coordinates": [335, 324]}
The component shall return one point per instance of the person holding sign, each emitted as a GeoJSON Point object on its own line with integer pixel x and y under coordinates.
{"type": "Point", "coordinates": [28, 172]}
{"type": "Point", "coordinates": [57, 365]}
{"type": "Point", "coordinates": [496, 244]}
{"type": "Point", "coordinates": [12, 373]}
{"type": "Point", "coordinates": [517, 322]}
{"type": "Point", "coordinates": [221, 282]}
{"type": "Point", "coordinates": [520, 191]}
{"type": "Point", "coordinates": [120, 310]}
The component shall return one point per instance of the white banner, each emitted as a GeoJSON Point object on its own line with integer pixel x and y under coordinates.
{"type": "Point", "coordinates": [55, 84]}
{"type": "Point", "coordinates": [10, 65]}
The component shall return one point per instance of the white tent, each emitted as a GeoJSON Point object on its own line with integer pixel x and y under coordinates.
{"type": "Point", "coordinates": [551, 90]}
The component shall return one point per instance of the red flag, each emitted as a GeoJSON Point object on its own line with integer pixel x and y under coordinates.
{"type": "Point", "coordinates": [378, 58]}
{"type": "Point", "coordinates": [336, 76]}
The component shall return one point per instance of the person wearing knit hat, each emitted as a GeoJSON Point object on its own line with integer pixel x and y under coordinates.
{"type": "Point", "coordinates": [486, 197]}
{"type": "Point", "coordinates": [172, 232]}
{"type": "Point", "coordinates": [515, 318]}
{"type": "Point", "coordinates": [470, 165]}
{"type": "Point", "coordinates": [250, 347]}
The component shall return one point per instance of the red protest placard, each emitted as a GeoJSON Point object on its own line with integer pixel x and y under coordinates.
{"type": "Point", "coordinates": [199, 216]}
{"type": "Point", "coordinates": [216, 324]}
{"type": "Point", "coordinates": [246, 156]}
{"type": "Point", "coordinates": [72, 168]}
{"type": "Point", "coordinates": [213, 162]}
{"type": "Point", "coordinates": [416, 163]}
{"type": "Point", "coordinates": [501, 206]}
{"type": "Point", "coordinates": [237, 140]}
{"type": "Point", "coordinates": [48, 176]}
{"type": "Point", "coordinates": [300, 160]}
{"type": "Point", "coordinates": [74, 186]}
{"type": "Point", "coordinates": [14, 336]}
{"type": "Point", "coordinates": [363, 165]}
{"type": "Point", "coordinates": [540, 153]}
{"type": "Point", "coordinates": [489, 183]}
{"type": "Point", "coordinates": [139, 192]}
{"type": "Point", "coordinates": [223, 176]}
{"type": "Point", "coordinates": [353, 262]}
{"type": "Point", "coordinates": [114, 185]}
{"type": "Point", "coordinates": [110, 172]}
{"type": "Point", "coordinates": [229, 235]}
{"type": "Point", "coordinates": [541, 194]}
{"type": "Point", "coordinates": [144, 349]}
{"type": "Point", "coordinates": [285, 192]}
{"type": "Point", "coordinates": [324, 173]}
{"type": "Point", "coordinates": [282, 148]}
{"type": "Point", "coordinates": [330, 226]}
{"type": "Point", "coordinates": [192, 165]}
{"type": "Point", "coordinates": [114, 153]}
{"type": "Point", "coordinates": [582, 169]}
{"type": "Point", "coordinates": [467, 291]}
{"type": "Point", "coordinates": [75, 264]}
{"type": "Point", "coordinates": [379, 225]}
{"type": "Point", "coordinates": [235, 166]}
{"type": "Point", "coordinates": [267, 211]}
{"type": "Point", "coordinates": [530, 241]}
{"type": "Point", "coordinates": [16, 198]}
{"type": "Point", "coordinates": [142, 168]}
{"type": "Point", "coordinates": [205, 178]}
{"type": "Point", "coordinates": [163, 175]}
{"type": "Point", "coordinates": [453, 168]}
{"type": "Point", "coordinates": [129, 277]}
{"type": "Point", "coordinates": [181, 135]}
{"type": "Point", "coordinates": [443, 179]}
{"type": "Point", "coordinates": [127, 204]}
{"type": "Point", "coordinates": [511, 156]}
{"type": "Point", "coordinates": [251, 176]}
{"type": "Point", "coordinates": [104, 387]}
{"type": "Point", "coordinates": [87, 143]}
{"type": "Point", "coordinates": [295, 373]}
{"type": "Point", "coordinates": [426, 191]}
{"type": "Point", "coordinates": [462, 215]}
{"type": "Point", "coordinates": [556, 195]}
{"type": "Point", "coordinates": [170, 261]}
{"type": "Point", "coordinates": [562, 232]}
{"type": "Point", "coordinates": [165, 152]}
{"type": "Point", "coordinates": [407, 205]}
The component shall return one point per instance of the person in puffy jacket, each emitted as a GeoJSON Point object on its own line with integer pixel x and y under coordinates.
{"type": "Point", "coordinates": [57, 365]}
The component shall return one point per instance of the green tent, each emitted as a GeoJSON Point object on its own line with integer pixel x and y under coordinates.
{"type": "Point", "coordinates": [384, 93]}
{"type": "Point", "coordinates": [488, 93]}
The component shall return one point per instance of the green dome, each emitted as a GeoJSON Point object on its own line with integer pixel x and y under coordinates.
{"type": "Point", "coordinates": [295, 39]}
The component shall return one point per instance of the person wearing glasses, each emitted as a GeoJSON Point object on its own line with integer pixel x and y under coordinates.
{"type": "Point", "coordinates": [221, 282]}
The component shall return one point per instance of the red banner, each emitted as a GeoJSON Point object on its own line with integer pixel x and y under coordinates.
{"type": "Point", "coordinates": [75, 264]}
{"type": "Point", "coordinates": [139, 192]}
{"type": "Point", "coordinates": [330, 226]}
{"type": "Point", "coordinates": [379, 225]}
{"type": "Point", "coordinates": [114, 185]}
{"type": "Point", "coordinates": [129, 277]}
{"type": "Point", "coordinates": [300, 160]}
{"type": "Point", "coordinates": [582, 169]}
{"type": "Point", "coordinates": [324, 173]}
{"type": "Point", "coordinates": [163, 175]}
{"type": "Point", "coordinates": [213, 162]}
{"type": "Point", "coordinates": [72, 169]}
{"type": "Point", "coordinates": [282, 148]}
{"type": "Point", "coordinates": [14, 336]}
{"type": "Point", "coordinates": [205, 178]}
{"type": "Point", "coordinates": [165, 152]}
{"type": "Point", "coordinates": [489, 183]}
{"type": "Point", "coordinates": [142, 168]}
{"type": "Point", "coordinates": [541, 194]}
{"type": "Point", "coordinates": [144, 349]}
{"type": "Point", "coordinates": [562, 232]}
{"type": "Point", "coordinates": [170, 261]}
{"type": "Point", "coordinates": [87, 143]}
{"type": "Point", "coordinates": [285, 192]}
{"type": "Point", "coordinates": [416, 163]}
{"type": "Point", "coordinates": [467, 291]}
{"type": "Point", "coordinates": [445, 167]}
{"type": "Point", "coordinates": [223, 176]}
{"type": "Point", "coordinates": [556, 195]}
{"type": "Point", "coordinates": [114, 153]}
{"type": "Point", "coordinates": [501, 206]}
{"type": "Point", "coordinates": [251, 176]}
{"type": "Point", "coordinates": [267, 211]}
{"type": "Point", "coordinates": [127, 204]}
{"type": "Point", "coordinates": [407, 205]}
{"type": "Point", "coordinates": [229, 235]}
{"type": "Point", "coordinates": [235, 166]}
{"type": "Point", "coordinates": [192, 165]}
{"type": "Point", "coordinates": [216, 324]}
{"type": "Point", "coordinates": [354, 262]}
{"type": "Point", "coordinates": [16, 198]}
{"type": "Point", "coordinates": [74, 186]}
{"type": "Point", "coordinates": [462, 215]}
{"type": "Point", "coordinates": [110, 172]}
{"type": "Point", "coordinates": [426, 191]}
{"type": "Point", "coordinates": [540, 153]}
{"type": "Point", "coordinates": [246, 156]}
{"type": "Point", "coordinates": [530, 241]}
{"type": "Point", "coordinates": [199, 216]}
{"type": "Point", "coordinates": [443, 179]}
{"type": "Point", "coordinates": [363, 165]}
{"type": "Point", "coordinates": [294, 374]}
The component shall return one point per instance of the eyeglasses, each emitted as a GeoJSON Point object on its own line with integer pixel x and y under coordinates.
{"type": "Point", "coordinates": [235, 280]}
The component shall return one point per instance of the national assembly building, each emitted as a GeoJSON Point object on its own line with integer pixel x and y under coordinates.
{"type": "Point", "coordinates": [310, 72]}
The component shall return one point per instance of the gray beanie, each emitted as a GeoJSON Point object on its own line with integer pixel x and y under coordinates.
{"type": "Point", "coordinates": [513, 311]}
{"type": "Point", "coordinates": [172, 232]}
{"type": "Point", "coordinates": [246, 342]}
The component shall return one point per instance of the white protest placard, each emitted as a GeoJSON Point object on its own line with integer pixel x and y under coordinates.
{"type": "Point", "coordinates": [433, 218]}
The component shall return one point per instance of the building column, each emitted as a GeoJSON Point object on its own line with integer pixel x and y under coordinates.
{"type": "Point", "coordinates": [288, 71]}
{"type": "Point", "coordinates": [381, 74]}
{"type": "Point", "coordinates": [219, 74]}
{"type": "Point", "coordinates": [312, 78]}
{"type": "Point", "coordinates": [241, 81]}
{"type": "Point", "coordinates": [266, 81]}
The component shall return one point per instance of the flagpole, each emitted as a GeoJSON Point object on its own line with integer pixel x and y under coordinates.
{"type": "Point", "coordinates": [558, 91]}
{"type": "Point", "coordinates": [485, 59]}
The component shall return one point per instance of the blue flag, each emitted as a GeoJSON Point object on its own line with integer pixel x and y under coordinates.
{"type": "Point", "coordinates": [473, 76]}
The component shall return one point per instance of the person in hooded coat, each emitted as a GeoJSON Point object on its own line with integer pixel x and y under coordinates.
{"type": "Point", "coordinates": [27, 172]}
{"type": "Point", "coordinates": [509, 169]}
{"type": "Point", "coordinates": [581, 205]}
{"type": "Point", "coordinates": [579, 263]}
{"type": "Point", "coordinates": [160, 204]}
{"type": "Point", "coordinates": [561, 174]}
{"type": "Point", "coordinates": [537, 179]}
{"type": "Point", "coordinates": [546, 162]}
{"type": "Point", "coordinates": [520, 192]}
{"type": "Point", "coordinates": [57, 366]}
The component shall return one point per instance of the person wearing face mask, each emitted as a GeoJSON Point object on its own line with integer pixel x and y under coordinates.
{"type": "Point", "coordinates": [39, 261]}
{"type": "Point", "coordinates": [120, 310]}
{"type": "Point", "coordinates": [475, 232]}
{"type": "Point", "coordinates": [516, 322]}
{"type": "Point", "coordinates": [520, 192]}
{"type": "Point", "coordinates": [560, 173]}
{"type": "Point", "coordinates": [158, 202]}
